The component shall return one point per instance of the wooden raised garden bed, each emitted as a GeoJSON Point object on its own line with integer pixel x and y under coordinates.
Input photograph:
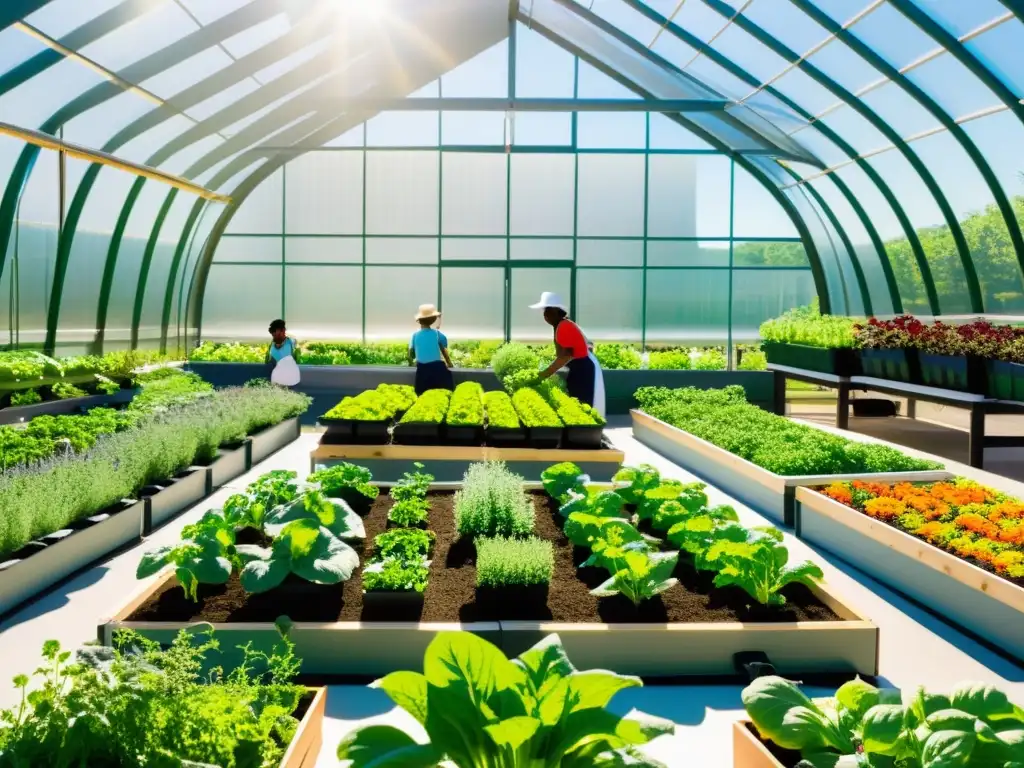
{"type": "Point", "coordinates": [43, 563]}
{"type": "Point", "coordinates": [976, 599]}
{"type": "Point", "coordinates": [272, 439]}
{"type": "Point", "coordinates": [748, 751]}
{"type": "Point", "coordinates": [448, 463]}
{"type": "Point", "coordinates": [304, 750]}
{"type": "Point", "coordinates": [691, 629]}
{"type": "Point", "coordinates": [770, 494]}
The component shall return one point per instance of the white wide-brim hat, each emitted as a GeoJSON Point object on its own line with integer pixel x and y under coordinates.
{"type": "Point", "coordinates": [427, 311]}
{"type": "Point", "coordinates": [549, 299]}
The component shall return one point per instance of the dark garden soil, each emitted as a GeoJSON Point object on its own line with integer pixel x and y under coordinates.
{"type": "Point", "coordinates": [452, 594]}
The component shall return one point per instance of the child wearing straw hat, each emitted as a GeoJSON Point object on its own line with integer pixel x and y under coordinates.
{"type": "Point", "coordinates": [428, 351]}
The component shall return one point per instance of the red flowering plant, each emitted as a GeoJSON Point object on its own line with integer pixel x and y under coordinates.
{"type": "Point", "coordinates": [898, 333]}
{"type": "Point", "coordinates": [979, 338]}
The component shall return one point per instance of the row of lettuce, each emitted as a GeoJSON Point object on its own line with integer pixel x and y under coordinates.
{"type": "Point", "coordinates": [60, 469]}
{"type": "Point", "coordinates": [139, 704]}
{"type": "Point", "coordinates": [978, 357]}
{"type": "Point", "coordinates": [479, 355]}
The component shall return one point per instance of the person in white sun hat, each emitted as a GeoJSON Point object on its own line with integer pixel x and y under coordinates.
{"type": "Point", "coordinates": [428, 351]}
{"type": "Point", "coordinates": [573, 349]}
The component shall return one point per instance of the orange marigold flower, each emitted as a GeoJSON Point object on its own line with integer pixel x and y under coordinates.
{"type": "Point", "coordinates": [928, 506]}
{"type": "Point", "coordinates": [1009, 560]}
{"type": "Point", "coordinates": [1012, 535]}
{"type": "Point", "coordinates": [933, 531]}
{"type": "Point", "coordinates": [977, 524]}
{"type": "Point", "coordinates": [839, 492]}
{"type": "Point", "coordinates": [1006, 510]}
{"type": "Point", "coordinates": [876, 489]}
{"type": "Point", "coordinates": [885, 508]}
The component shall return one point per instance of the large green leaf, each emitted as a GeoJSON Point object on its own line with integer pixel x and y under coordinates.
{"type": "Point", "coordinates": [384, 746]}
{"type": "Point", "coordinates": [464, 657]}
{"type": "Point", "coordinates": [830, 760]}
{"type": "Point", "coordinates": [981, 700]}
{"type": "Point", "coordinates": [209, 570]}
{"type": "Point", "coordinates": [587, 726]}
{"type": "Point", "coordinates": [768, 700]}
{"type": "Point", "coordinates": [596, 687]}
{"type": "Point", "coordinates": [455, 723]}
{"type": "Point", "coordinates": [333, 514]}
{"type": "Point", "coordinates": [883, 729]}
{"type": "Point", "coordinates": [948, 749]}
{"type": "Point", "coordinates": [152, 562]}
{"type": "Point", "coordinates": [857, 697]}
{"type": "Point", "coordinates": [513, 732]}
{"type": "Point", "coordinates": [263, 575]}
{"type": "Point", "coordinates": [408, 690]}
{"type": "Point", "coordinates": [545, 661]}
{"type": "Point", "coordinates": [328, 561]}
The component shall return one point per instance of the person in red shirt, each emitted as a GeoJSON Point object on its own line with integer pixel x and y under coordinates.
{"type": "Point", "coordinates": [585, 381]}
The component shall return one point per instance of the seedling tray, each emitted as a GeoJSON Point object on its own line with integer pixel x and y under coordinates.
{"type": "Point", "coordinates": [584, 437]}
{"type": "Point", "coordinates": [372, 432]}
{"type": "Point", "coordinates": [504, 437]}
{"type": "Point", "coordinates": [339, 431]}
{"type": "Point", "coordinates": [413, 433]}
{"type": "Point", "coordinates": [464, 435]}
{"type": "Point", "coordinates": [544, 437]}
{"type": "Point", "coordinates": [382, 601]}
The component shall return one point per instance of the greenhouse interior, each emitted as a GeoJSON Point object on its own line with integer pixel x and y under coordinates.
{"type": "Point", "coordinates": [646, 375]}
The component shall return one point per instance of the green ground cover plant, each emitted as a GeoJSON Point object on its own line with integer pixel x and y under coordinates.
{"type": "Point", "coordinates": [48, 495]}
{"type": "Point", "coordinates": [491, 502]}
{"type": "Point", "coordinates": [64, 391]}
{"type": "Point", "coordinates": [26, 397]}
{"type": "Point", "coordinates": [410, 498]}
{"type": "Point", "coordinates": [467, 406]}
{"type": "Point", "coordinates": [560, 480]}
{"type": "Point", "coordinates": [712, 359]}
{"type": "Point", "coordinates": [775, 443]}
{"type": "Point", "coordinates": [973, 726]}
{"type": "Point", "coordinates": [618, 357]}
{"type": "Point", "coordinates": [366, 406]}
{"type": "Point", "coordinates": [511, 562]}
{"type": "Point", "coordinates": [534, 410]}
{"type": "Point", "coordinates": [500, 411]}
{"type": "Point", "coordinates": [481, 709]}
{"type": "Point", "coordinates": [135, 704]}
{"type": "Point", "coordinates": [404, 544]}
{"type": "Point", "coordinates": [396, 575]}
{"type": "Point", "coordinates": [429, 408]}
{"type": "Point", "coordinates": [669, 360]}
{"type": "Point", "coordinates": [807, 326]}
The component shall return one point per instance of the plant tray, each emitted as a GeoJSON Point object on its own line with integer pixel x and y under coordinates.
{"type": "Point", "coordinates": [1005, 381]}
{"type": "Point", "coordinates": [411, 433]}
{"type": "Point", "coordinates": [168, 500]}
{"type": "Point", "coordinates": [373, 432]}
{"type": "Point", "coordinates": [503, 437]}
{"type": "Point", "coordinates": [979, 601]}
{"type": "Point", "coordinates": [272, 439]}
{"type": "Point", "coordinates": [770, 494]}
{"type": "Point", "coordinates": [338, 430]}
{"type": "Point", "coordinates": [893, 364]}
{"type": "Point", "coordinates": [464, 435]}
{"type": "Point", "coordinates": [962, 374]}
{"type": "Point", "coordinates": [838, 362]}
{"type": "Point", "coordinates": [584, 437]}
{"type": "Point", "coordinates": [410, 602]}
{"type": "Point", "coordinates": [544, 437]}
{"type": "Point", "coordinates": [64, 553]}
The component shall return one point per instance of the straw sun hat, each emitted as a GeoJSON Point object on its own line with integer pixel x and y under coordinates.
{"type": "Point", "coordinates": [427, 311]}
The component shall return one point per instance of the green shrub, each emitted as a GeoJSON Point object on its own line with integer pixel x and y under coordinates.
{"type": "Point", "coordinates": [512, 358]}
{"type": "Point", "coordinates": [669, 360]}
{"type": "Point", "coordinates": [467, 406]}
{"type": "Point", "coordinates": [753, 360]}
{"type": "Point", "coordinates": [64, 391]}
{"type": "Point", "coordinates": [492, 503]}
{"type": "Point", "coordinates": [404, 544]}
{"type": "Point", "coordinates": [806, 325]}
{"type": "Point", "coordinates": [26, 397]}
{"type": "Point", "coordinates": [507, 562]}
{"type": "Point", "coordinates": [775, 443]}
{"type": "Point", "coordinates": [710, 359]}
{"type": "Point", "coordinates": [106, 386]}
{"type": "Point", "coordinates": [395, 575]}
{"type": "Point", "coordinates": [500, 411]}
{"type": "Point", "coordinates": [534, 410]}
{"type": "Point", "coordinates": [618, 357]}
{"type": "Point", "coordinates": [334, 480]}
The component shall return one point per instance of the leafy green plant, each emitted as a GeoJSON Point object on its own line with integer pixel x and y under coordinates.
{"type": "Point", "coordinates": [511, 358]}
{"type": "Point", "coordinates": [304, 548]}
{"type": "Point", "coordinates": [491, 502]}
{"type": "Point", "coordinates": [410, 498]}
{"type": "Point", "coordinates": [370, 405]}
{"type": "Point", "coordinates": [107, 386]}
{"type": "Point", "coordinates": [205, 555]}
{"type": "Point", "coordinates": [618, 357]}
{"type": "Point", "coordinates": [467, 406]}
{"type": "Point", "coordinates": [28, 365]}
{"type": "Point", "coordinates": [772, 442]}
{"type": "Point", "coordinates": [639, 576]}
{"type": "Point", "coordinates": [807, 326]}
{"type": "Point", "coordinates": [560, 480]}
{"type": "Point", "coordinates": [338, 480]}
{"type": "Point", "coordinates": [699, 534]}
{"type": "Point", "coordinates": [400, 397]}
{"type": "Point", "coordinates": [753, 360]}
{"type": "Point", "coordinates": [409, 513]}
{"type": "Point", "coordinates": [26, 397]}
{"type": "Point", "coordinates": [64, 391]}
{"type": "Point", "coordinates": [396, 575]}
{"type": "Point", "coordinates": [975, 726]}
{"type": "Point", "coordinates": [430, 408]}
{"type": "Point", "coordinates": [332, 514]}
{"type": "Point", "coordinates": [509, 562]}
{"type": "Point", "coordinates": [638, 480]}
{"type": "Point", "coordinates": [404, 544]}
{"type": "Point", "coordinates": [500, 411]}
{"type": "Point", "coordinates": [669, 360]}
{"type": "Point", "coordinates": [652, 499]}
{"type": "Point", "coordinates": [136, 704]}
{"type": "Point", "coordinates": [583, 529]}
{"type": "Point", "coordinates": [534, 410]}
{"type": "Point", "coordinates": [572, 412]}
{"type": "Point", "coordinates": [711, 359]}
{"type": "Point", "coordinates": [761, 569]}
{"type": "Point", "coordinates": [594, 501]}
{"type": "Point", "coordinates": [481, 710]}
{"type": "Point", "coordinates": [608, 547]}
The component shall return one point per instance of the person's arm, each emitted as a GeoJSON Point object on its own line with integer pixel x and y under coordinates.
{"type": "Point", "coordinates": [442, 342]}
{"type": "Point", "coordinates": [412, 352]}
{"type": "Point", "coordinates": [269, 360]}
{"type": "Point", "coordinates": [296, 352]}
{"type": "Point", "coordinates": [563, 359]}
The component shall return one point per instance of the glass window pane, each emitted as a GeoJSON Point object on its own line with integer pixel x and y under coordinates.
{"type": "Point", "coordinates": [999, 49]}
{"type": "Point", "coordinates": [769, 254]}
{"type": "Point", "coordinates": [536, 249]}
{"type": "Point", "coordinates": [262, 211]}
{"type": "Point", "coordinates": [786, 22]}
{"type": "Point", "coordinates": [687, 253]}
{"type": "Point", "coordinates": [324, 302]}
{"type": "Point", "coordinates": [756, 213]}
{"type": "Point", "coordinates": [542, 194]}
{"type": "Point", "coordinates": [36, 247]}
{"type": "Point", "coordinates": [473, 128]}
{"type": "Point", "coordinates": [96, 126]}
{"type": "Point", "coordinates": [403, 129]}
{"type": "Point", "coordinates": [473, 314]}
{"type": "Point", "coordinates": [713, 192]}
{"type": "Point", "coordinates": [610, 253]}
{"type": "Point", "coordinates": [672, 196]}
{"type": "Point", "coordinates": [612, 130]}
{"type": "Point", "coordinates": [485, 75]}
{"type": "Point", "coordinates": [959, 17]}
{"type": "Point", "coordinates": [134, 39]}
{"type": "Point", "coordinates": [324, 193]}
{"type": "Point", "coordinates": [392, 295]}
{"type": "Point", "coordinates": [595, 84]}
{"type": "Point", "coordinates": [759, 295]}
{"type": "Point", "coordinates": [59, 17]}
{"type": "Point", "coordinates": [611, 195]}
{"type": "Point", "coordinates": [36, 100]}
{"type": "Point", "coordinates": [687, 306]}
{"type": "Point", "coordinates": [952, 85]}
{"type": "Point", "coordinates": [541, 129]}
{"type": "Point", "coordinates": [240, 302]}
{"type": "Point", "coordinates": [543, 69]}
{"type": "Point", "coordinates": [474, 193]}
{"type": "Point", "coordinates": [893, 36]}
{"type": "Point", "coordinates": [900, 110]}
{"type": "Point", "coordinates": [610, 304]}
{"type": "Point", "coordinates": [527, 286]}
{"type": "Point", "coordinates": [323, 250]}
{"type": "Point", "coordinates": [16, 47]}
{"type": "Point", "coordinates": [187, 73]}
{"type": "Point", "coordinates": [401, 250]}
{"type": "Point", "coordinates": [474, 249]}
{"type": "Point", "coordinates": [401, 193]}
{"type": "Point", "coordinates": [233, 248]}
{"type": "Point", "coordinates": [668, 134]}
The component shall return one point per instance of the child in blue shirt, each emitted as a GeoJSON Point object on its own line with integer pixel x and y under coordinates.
{"type": "Point", "coordinates": [428, 350]}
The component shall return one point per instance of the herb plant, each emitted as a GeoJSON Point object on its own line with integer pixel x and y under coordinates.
{"type": "Point", "coordinates": [410, 498]}
{"type": "Point", "coordinates": [534, 410]}
{"type": "Point", "coordinates": [467, 406]}
{"type": "Point", "coordinates": [404, 544]}
{"type": "Point", "coordinates": [639, 576]}
{"type": "Point", "coordinates": [513, 357]}
{"type": "Point", "coordinates": [669, 360]}
{"type": "Point", "coordinates": [396, 575]}
{"type": "Point", "coordinates": [429, 408]}
{"type": "Point", "coordinates": [409, 513]}
{"type": "Point", "coordinates": [26, 397]}
{"type": "Point", "coordinates": [481, 709]}
{"type": "Point", "coordinates": [618, 357]}
{"type": "Point", "coordinates": [508, 562]}
{"type": "Point", "coordinates": [492, 503]}
{"type": "Point", "coordinates": [974, 726]}
{"type": "Point", "coordinates": [501, 414]}
{"type": "Point", "coordinates": [808, 327]}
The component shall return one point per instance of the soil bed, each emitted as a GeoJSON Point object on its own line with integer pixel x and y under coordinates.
{"type": "Point", "coordinates": [452, 595]}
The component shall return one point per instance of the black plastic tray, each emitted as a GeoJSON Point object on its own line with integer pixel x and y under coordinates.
{"type": "Point", "coordinates": [586, 438]}
{"type": "Point", "coordinates": [504, 437]}
{"type": "Point", "coordinates": [463, 435]}
{"type": "Point", "coordinates": [412, 433]}
{"type": "Point", "coordinates": [544, 437]}
{"type": "Point", "coordinates": [338, 431]}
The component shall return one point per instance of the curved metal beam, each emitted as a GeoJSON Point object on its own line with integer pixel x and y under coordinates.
{"type": "Point", "coordinates": [730, 66]}
{"type": "Point", "coordinates": [947, 121]}
{"type": "Point", "coordinates": [15, 10]}
{"type": "Point", "coordinates": [147, 261]}
{"type": "Point", "coordinates": [744, 23]}
{"type": "Point", "coordinates": [172, 276]}
{"type": "Point", "coordinates": [110, 265]}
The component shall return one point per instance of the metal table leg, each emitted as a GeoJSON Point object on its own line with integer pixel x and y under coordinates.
{"type": "Point", "coordinates": [843, 406]}
{"type": "Point", "coordinates": [779, 401]}
{"type": "Point", "coordinates": [976, 437]}
{"type": "Point", "coordinates": [911, 408]}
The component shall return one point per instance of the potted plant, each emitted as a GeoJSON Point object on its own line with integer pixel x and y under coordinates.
{"type": "Point", "coordinates": [545, 428]}
{"type": "Point", "coordinates": [421, 424]}
{"type": "Point", "coordinates": [464, 422]}
{"type": "Point", "coordinates": [350, 483]}
{"type": "Point", "coordinates": [887, 348]}
{"type": "Point", "coordinates": [396, 577]}
{"type": "Point", "coordinates": [804, 338]}
{"type": "Point", "coordinates": [503, 427]}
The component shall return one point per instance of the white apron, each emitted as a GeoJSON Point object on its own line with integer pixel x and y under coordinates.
{"type": "Point", "coordinates": [286, 372]}
{"type": "Point", "coordinates": [598, 386]}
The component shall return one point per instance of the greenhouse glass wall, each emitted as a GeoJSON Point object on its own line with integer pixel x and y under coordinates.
{"type": "Point", "coordinates": [178, 170]}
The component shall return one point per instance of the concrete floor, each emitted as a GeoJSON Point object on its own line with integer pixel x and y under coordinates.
{"type": "Point", "coordinates": [916, 647]}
